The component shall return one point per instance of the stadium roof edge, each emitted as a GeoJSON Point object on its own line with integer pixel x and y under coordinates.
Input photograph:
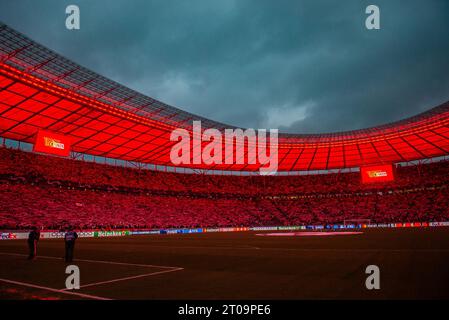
{"type": "Point", "coordinates": [81, 93]}
{"type": "Point", "coordinates": [111, 85]}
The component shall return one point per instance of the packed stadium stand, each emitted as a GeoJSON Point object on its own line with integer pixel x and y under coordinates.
{"type": "Point", "coordinates": [53, 192]}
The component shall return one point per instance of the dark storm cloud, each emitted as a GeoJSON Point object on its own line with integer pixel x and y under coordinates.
{"type": "Point", "coordinates": [302, 66]}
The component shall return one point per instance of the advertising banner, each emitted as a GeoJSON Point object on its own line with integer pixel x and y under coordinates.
{"type": "Point", "coordinates": [120, 233]}
{"type": "Point", "coordinates": [47, 234]}
{"type": "Point", "coordinates": [52, 143]}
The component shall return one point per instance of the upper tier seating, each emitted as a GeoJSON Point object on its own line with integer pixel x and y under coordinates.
{"type": "Point", "coordinates": [53, 192]}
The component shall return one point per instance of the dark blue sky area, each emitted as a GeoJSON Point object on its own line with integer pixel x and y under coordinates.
{"type": "Point", "coordinates": [300, 66]}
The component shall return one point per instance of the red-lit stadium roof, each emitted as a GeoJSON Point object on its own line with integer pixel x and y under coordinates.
{"type": "Point", "coordinates": [40, 89]}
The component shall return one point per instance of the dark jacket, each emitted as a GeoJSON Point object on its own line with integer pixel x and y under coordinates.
{"type": "Point", "coordinates": [70, 236]}
{"type": "Point", "coordinates": [34, 236]}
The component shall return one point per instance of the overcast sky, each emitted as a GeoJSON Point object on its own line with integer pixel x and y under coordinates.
{"type": "Point", "coordinates": [300, 66]}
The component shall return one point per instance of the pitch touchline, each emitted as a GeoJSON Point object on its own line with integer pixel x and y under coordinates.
{"type": "Point", "coordinates": [30, 285]}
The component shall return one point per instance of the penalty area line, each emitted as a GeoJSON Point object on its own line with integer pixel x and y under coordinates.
{"type": "Point", "coordinates": [168, 269]}
{"type": "Point", "coordinates": [30, 285]}
{"type": "Point", "coordinates": [128, 278]}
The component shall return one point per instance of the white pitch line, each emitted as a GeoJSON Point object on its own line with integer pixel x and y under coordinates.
{"type": "Point", "coordinates": [128, 278]}
{"type": "Point", "coordinates": [170, 269]}
{"type": "Point", "coordinates": [97, 261]}
{"type": "Point", "coordinates": [127, 264]}
{"type": "Point", "coordinates": [30, 285]}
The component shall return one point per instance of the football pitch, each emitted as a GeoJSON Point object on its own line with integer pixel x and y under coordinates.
{"type": "Point", "coordinates": [413, 264]}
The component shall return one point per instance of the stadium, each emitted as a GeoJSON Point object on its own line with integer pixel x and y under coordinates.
{"type": "Point", "coordinates": [78, 149]}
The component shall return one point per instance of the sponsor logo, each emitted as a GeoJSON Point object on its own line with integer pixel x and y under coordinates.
{"type": "Point", "coordinates": [380, 173]}
{"type": "Point", "coordinates": [377, 173]}
{"type": "Point", "coordinates": [53, 143]}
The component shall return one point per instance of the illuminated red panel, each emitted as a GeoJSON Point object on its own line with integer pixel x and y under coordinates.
{"type": "Point", "coordinates": [32, 105]}
{"type": "Point", "coordinates": [304, 160]}
{"type": "Point", "coordinates": [381, 173]}
{"type": "Point", "coordinates": [4, 81]}
{"type": "Point", "coordinates": [17, 114]}
{"type": "Point", "coordinates": [336, 157]}
{"type": "Point", "coordinates": [22, 89]}
{"type": "Point", "coordinates": [3, 108]}
{"type": "Point", "coordinates": [52, 143]}
{"type": "Point", "coordinates": [10, 98]}
{"type": "Point", "coordinates": [46, 98]}
{"type": "Point", "coordinates": [320, 159]}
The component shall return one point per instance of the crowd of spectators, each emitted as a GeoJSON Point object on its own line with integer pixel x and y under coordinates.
{"type": "Point", "coordinates": [52, 192]}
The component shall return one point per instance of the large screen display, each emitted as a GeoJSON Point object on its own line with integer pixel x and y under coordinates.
{"type": "Point", "coordinates": [380, 173]}
{"type": "Point", "coordinates": [52, 143]}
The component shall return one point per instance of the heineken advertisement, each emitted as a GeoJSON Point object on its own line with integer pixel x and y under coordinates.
{"type": "Point", "coordinates": [120, 233]}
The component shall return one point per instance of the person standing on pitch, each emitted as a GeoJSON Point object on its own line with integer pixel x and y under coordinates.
{"type": "Point", "coordinates": [70, 237]}
{"type": "Point", "coordinates": [33, 238]}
